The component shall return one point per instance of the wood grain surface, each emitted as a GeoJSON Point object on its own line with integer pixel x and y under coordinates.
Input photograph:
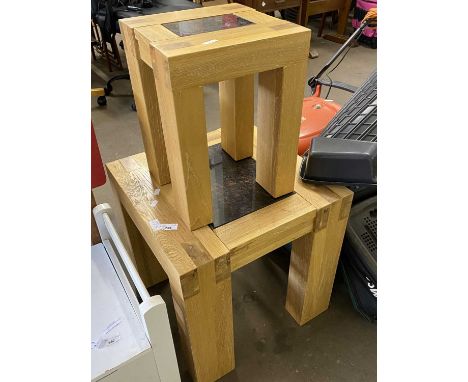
{"type": "Point", "coordinates": [236, 101]}
{"type": "Point", "coordinates": [146, 101]}
{"type": "Point", "coordinates": [196, 262]}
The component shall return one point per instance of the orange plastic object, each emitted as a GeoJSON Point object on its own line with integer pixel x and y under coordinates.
{"type": "Point", "coordinates": [316, 113]}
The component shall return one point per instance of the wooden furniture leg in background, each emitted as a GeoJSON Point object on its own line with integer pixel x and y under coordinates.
{"type": "Point", "coordinates": [146, 101]}
{"type": "Point", "coordinates": [148, 266]}
{"type": "Point", "coordinates": [340, 36]}
{"type": "Point", "coordinates": [314, 259]}
{"type": "Point", "coordinates": [236, 101]}
{"type": "Point", "coordinates": [279, 118]}
{"type": "Point", "coordinates": [115, 53]}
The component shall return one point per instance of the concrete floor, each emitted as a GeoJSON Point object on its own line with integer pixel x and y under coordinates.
{"type": "Point", "coordinates": [338, 345]}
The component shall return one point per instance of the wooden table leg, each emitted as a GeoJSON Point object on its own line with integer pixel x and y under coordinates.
{"type": "Point", "coordinates": [314, 259]}
{"type": "Point", "coordinates": [340, 35]}
{"type": "Point", "coordinates": [184, 124]}
{"type": "Point", "coordinates": [280, 94]}
{"type": "Point", "coordinates": [148, 266]}
{"type": "Point", "coordinates": [236, 101]}
{"type": "Point", "coordinates": [303, 16]}
{"type": "Point", "coordinates": [196, 262]}
{"type": "Point", "coordinates": [203, 307]}
{"type": "Point", "coordinates": [146, 101]}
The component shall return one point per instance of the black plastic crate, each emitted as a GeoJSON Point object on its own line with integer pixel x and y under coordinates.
{"type": "Point", "coordinates": [358, 260]}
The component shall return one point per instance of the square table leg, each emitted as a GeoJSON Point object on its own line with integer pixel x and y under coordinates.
{"type": "Point", "coordinates": [203, 307]}
{"type": "Point", "coordinates": [280, 94]}
{"type": "Point", "coordinates": [184, 124]}
{"type": "Point", "coordinates": [196, 262]}
{"type": "Point", "coordinates": [314, 259]}
{"type": "Point", "coordinates": [144, 93]}
{"type": "Point", "coordinates": [236, 101]}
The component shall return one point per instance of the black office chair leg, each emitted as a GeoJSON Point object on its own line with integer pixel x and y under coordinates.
{"type": "Point", "coordinates": [108, 88]}
{"type": "Point", "coordinates": [115, 52]}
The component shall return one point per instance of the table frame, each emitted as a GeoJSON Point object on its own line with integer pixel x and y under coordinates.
{"type": "Point", "coordinates": [199, 263]}
{"type": "Point", "coordinates": [168, 73]}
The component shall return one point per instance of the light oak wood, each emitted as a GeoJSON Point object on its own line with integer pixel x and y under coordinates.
{"type": "Point", "coordinates": [199, 260]}
{"type": "Point", "coordinates": [214, 137]}
{"type": "Point", "coordinates": [183, 116]}
{"type": "Point", "coordinates": [97, 92]}
{"type": "Point", "coordinates": [236, 100]}
{"type": "Point", "coordinates": [144, 93]}
{"type": "Point", "coordinates": [262, 231]}
{"type": "Point", "coordinates": [197, 264]}
{"type": "Point", "coordinates": [149, 31]}
{"type": "Point", "coordinates": [188, 14]}
{"type": "Point", "coordinates": [213, 306]}
{"type": "Point", "coordinates": [182, 65]}
{"type": "Point", "coordinates": [205, 326]}
{"type": "Point", "coordinates": [314, 257]}
{"type": "Point", "coordinates": [315, 253]}
{"type": "Point", "coordinates": [218, 251]}
{"type": "Point", "coordinates": [280, 94]}
{"type": "Point", "coordinates": [135, 192]}
{"type": "Point", "coordinates": [200, 61]}
{"type": "Point", "coordinates": [148, 266]}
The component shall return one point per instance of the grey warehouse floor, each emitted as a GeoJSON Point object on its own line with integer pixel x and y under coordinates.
{"type": "Point", "coordinates": [338, 345]}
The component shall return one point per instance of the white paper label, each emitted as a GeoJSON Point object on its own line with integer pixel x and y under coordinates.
{"type": "Point", "coordinates": [168, 227]}
{"type": "Point", "coordinates": [156, 191]}
{"type": "Point", "coordinates": [103, 340]}
{"type": "Point", "coordinates": [209, 42]}
{"type": "Point", "coordinates": [157, 226]}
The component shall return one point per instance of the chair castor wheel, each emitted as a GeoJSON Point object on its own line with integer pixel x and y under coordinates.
{"type": "Point", "coordinates": [102, 101]}
{"type": "Point", "coordinates": [108, 89]}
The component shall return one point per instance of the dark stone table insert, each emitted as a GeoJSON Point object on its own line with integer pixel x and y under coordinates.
{"type": "Point", "coordinates": [234, 191]}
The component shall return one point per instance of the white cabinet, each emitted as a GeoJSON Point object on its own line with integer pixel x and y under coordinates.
{"type": "Point", "coordinates": [129, 341]}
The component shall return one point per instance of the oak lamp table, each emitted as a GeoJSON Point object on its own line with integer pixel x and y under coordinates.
{"type": "Point", "coordinates": [199, 263]}
{"type": "Point", "coordinates": [199, 207]}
